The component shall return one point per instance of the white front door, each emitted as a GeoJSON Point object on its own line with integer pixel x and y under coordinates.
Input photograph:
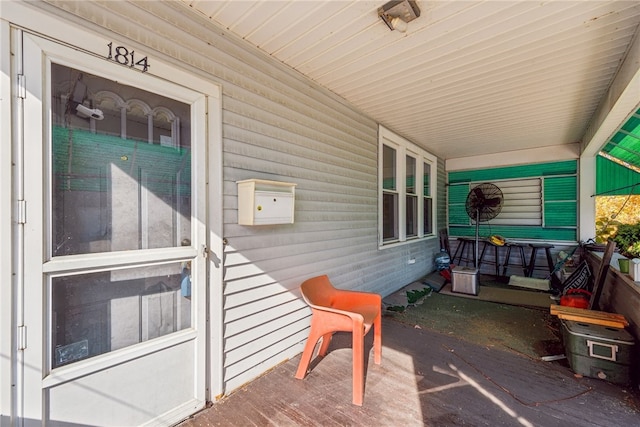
{"type": "Point", "coordinates": [112, 293]}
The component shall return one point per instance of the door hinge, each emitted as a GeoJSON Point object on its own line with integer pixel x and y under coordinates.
{"type": "Point", "coordinates": [21, 214]}
{"type": "Point", "coordinates": [22, 337]}
{"type": "Point", "coordinates": [22, 86]}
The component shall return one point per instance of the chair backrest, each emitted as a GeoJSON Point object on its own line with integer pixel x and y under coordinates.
{"type": "Point", "coordinates": [318, 291]}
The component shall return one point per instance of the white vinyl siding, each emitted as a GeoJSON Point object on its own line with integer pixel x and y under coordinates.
{"type": "Point", "coordinates": [277, 125]}
{"type": "Point", "coordinates": [521, 204]}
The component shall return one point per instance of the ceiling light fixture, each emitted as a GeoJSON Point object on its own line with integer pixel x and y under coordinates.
{"type": "Point", "coordinates": [396, 14]}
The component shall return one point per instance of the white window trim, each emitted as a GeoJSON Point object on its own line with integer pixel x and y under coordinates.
{"type": "Point", "coordinates": [403, 148]}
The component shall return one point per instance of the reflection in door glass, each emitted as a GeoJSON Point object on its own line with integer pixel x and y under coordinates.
{"type": "Point", "coordinates": [96, 313]}
{"type": "Point", "coordinates": [121, 166]}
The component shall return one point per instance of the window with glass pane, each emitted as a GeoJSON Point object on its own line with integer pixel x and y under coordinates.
{"type": "Point", "coordinates": [411, 198]}
{"type": "Point", "coordinates": [407, 178]}
{"type": "Point", "coordinates": [96, 313]}
{"type": "Point", "coordinates": [428, 200]}
{"type": "Point", "coordinates": [390, 195]}
{"type": "Point", "coordinates": [121, 166]}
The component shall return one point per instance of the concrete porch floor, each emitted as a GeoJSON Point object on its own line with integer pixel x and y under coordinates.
{"type": "Point", "coordinates": [431, 375]}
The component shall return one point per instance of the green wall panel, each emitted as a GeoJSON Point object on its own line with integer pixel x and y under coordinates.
{"type": "Point", "coordinates": [560, 214]}
{"type": "Point", "coordinates": [458, 193]}
{"type": "Point", "coordinates": [568, 167]}
{"type": "Point", "coordinates": [560, 193]}
{"type": "Point", "coordinates": [458, 216]}
{"type": "Point", "coordinates": [561, 188]}
{"type": "Point", "coordinates": [516, 232]}
{"type": "Point", "coordinates": [457, 198]}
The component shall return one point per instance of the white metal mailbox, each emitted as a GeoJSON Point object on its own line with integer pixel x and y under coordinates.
{"type": "Point", "coordinates": [262, 202]}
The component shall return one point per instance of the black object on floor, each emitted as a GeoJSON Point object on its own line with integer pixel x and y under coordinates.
{"type": "Point", "coordinates": [435, 281]}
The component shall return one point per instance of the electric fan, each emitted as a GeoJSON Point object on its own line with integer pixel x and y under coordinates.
{"type": "Point", "coordinates": [484, 202]}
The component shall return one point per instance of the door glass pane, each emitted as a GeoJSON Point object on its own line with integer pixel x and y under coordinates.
{"type": "Point", "coordinates": [121, 166]}
{"type": "Point", "coordinates": [96, 313]}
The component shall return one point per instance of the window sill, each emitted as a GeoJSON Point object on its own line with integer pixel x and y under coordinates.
{"type": "Point", "coordinates": [394, 244]}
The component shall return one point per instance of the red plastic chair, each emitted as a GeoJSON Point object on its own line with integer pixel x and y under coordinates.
{"type": "Point", "coordinates": [335, 310]}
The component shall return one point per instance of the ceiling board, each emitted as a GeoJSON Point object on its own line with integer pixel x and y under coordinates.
{"type": "Point", "coordinates": [467, 78]}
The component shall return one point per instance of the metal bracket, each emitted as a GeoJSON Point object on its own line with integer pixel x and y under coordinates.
{"type": "Point", "coordinates": [22, 337]}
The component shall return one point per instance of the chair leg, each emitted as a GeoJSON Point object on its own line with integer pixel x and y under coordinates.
{"type": "Point", "coordinates": [305, 360]}
{"type": "Point", "coordinates": [324, 347]}
{"type": "Point", "coordinates": [377, 340]}
{"type": "Point", "coordinates": [358, 366]}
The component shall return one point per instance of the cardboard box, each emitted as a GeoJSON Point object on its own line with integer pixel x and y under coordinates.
{"type": "Point", "coordinates": [599, 351]}
{"type": "Point", "coordinates": [464, 280]}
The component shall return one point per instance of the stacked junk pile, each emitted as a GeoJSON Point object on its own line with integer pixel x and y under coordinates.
{"type": "Point", "coordinates": [596, 343]}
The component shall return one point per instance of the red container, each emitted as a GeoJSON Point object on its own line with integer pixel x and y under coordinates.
{"type": "Point", "coordinates": [578, 298]}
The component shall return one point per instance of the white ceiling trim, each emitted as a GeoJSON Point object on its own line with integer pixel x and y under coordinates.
{"type": "Point", "coordinates": [509, 158]}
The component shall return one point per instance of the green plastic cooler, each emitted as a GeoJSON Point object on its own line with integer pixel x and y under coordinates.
{"type": "Point", "coordinates": [599, 351]}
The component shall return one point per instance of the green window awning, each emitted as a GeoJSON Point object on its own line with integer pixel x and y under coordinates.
{"type": "Point", "coordinates": [624, 145]}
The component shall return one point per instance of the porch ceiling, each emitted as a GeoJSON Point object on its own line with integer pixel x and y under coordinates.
{"type": "Point", "coordinates": [467, 78]}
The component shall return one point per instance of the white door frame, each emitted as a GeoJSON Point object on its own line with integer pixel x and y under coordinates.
{"type": "Point", "coordinates": [90, 42]}
{"type": "Point", "coordinates": [7, 345]}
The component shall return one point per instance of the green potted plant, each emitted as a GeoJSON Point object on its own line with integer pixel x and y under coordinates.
{"type": "Point", "coordinates": [606, 227]}
{"type": "Point", "coordinates": [627, 239]}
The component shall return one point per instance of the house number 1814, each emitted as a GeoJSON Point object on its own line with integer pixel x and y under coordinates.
{"type": "Point", "coordinates": [124, 56]}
